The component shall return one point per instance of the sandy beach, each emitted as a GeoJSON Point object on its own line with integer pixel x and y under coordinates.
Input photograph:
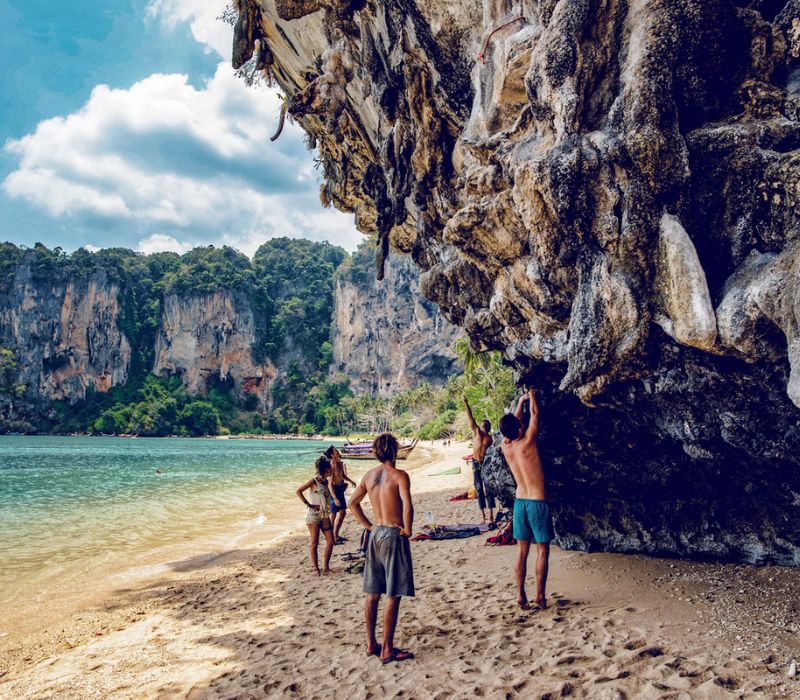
{"type": "Point", "coordinates": [253, 623]}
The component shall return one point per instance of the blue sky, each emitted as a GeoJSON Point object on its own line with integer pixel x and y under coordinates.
{"type": "Point", "coordinates": [122, 124]}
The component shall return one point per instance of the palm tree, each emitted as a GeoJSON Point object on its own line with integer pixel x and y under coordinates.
{"type": "Point", "coordinates": [475, 362]}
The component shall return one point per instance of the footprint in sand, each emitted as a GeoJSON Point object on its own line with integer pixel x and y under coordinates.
{"type": "Point", "coordinates": [607, 679]}
{"type": "Point", "coordinates": [635, 644]}
{"type": "Point", "coordinates": [650, 652]}
{"type": "Point", "coordinates": [727, 683]}
{"type": "Point", "coordinates": [571, 659]}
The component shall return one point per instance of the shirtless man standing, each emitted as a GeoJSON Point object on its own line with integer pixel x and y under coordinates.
{"type": "Point", "coordinates": [338, 487]}
{"type": "Point", "coordinates": [481, 441]}
{"type": "Point", "coordinates": [532, 520]}
{"type": "Point", "coordinates": [388, 566]}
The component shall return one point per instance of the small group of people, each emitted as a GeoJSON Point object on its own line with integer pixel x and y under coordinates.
{"type": "Point", "coordinates": [388, 568]}
{"type": "Point", "coordinates": [327, 505]}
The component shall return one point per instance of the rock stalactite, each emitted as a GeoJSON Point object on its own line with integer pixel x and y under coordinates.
{"type": "Point", "coordinates": [609, 197]}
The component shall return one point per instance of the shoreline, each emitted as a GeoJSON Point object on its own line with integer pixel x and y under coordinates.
{"type": "Point", "coordinates": [236, 436]}
{"type": "Point", "coordinates": [26, 616]}
{"type": "Point", "coordinates": [252, 621]}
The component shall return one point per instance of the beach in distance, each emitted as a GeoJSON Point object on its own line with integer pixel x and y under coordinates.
{"type": "Point", "coordinates": [244, 618]}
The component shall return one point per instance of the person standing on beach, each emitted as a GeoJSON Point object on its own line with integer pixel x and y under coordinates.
{"type": "Point", "coordinates": [388, 567]}
{"type": "Point", "coordinates": [532, 519]}
{"type": "Point", "coordinates": [338, 488]}
{"type": "Point", "coordinates": [481, 441]}
{"type": "Point", "coordinates": [318, 517]}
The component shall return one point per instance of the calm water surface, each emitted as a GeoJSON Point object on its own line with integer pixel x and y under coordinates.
{"type": "Point", "coordinates": [71, 504]}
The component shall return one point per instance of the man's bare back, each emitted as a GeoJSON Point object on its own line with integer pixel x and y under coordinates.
{"type": "Point", "coordinates": [386, 485]}
{"type": "Point", "coordinates": [522, 455]}
{"type": "Point", "coordinates": [389, 491]}
{"type": "Point", "coordinates": [533, 522]}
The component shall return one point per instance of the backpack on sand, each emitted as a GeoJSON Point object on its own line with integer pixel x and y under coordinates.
{"type": "Point", "coordinates": [505, 536]}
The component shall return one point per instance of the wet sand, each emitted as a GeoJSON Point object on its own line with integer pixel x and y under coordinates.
{"type": "Point", "coordinates": [253, 623]}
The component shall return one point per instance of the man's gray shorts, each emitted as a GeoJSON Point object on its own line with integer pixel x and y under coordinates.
{"type": "Point", "coordinates": [388, 567]}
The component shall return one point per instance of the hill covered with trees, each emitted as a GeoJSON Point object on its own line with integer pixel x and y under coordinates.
{"type": "Point", "coordinates": [287, 289]}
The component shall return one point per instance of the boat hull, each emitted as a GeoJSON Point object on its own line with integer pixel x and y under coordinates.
{"type": "Point", "coordinates": [367, 453]}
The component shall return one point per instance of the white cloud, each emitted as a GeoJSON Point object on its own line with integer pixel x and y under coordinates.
{"type": "Point", "coordinates": [161, 243]}
{"type": "Point", "coordinates": [92, 248]}
{"type": "Point", "coordinates": [201, 16]}
{"type": "Point", "coordinates": [325, 225]}
{"type": "Point", "coordinates": [163, 158]}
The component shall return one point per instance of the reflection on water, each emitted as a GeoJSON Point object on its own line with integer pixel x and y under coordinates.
{"type": "Point", "coordinates": [68, 504]}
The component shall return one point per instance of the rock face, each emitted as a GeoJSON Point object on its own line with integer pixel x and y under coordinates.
{"type": "Point", "coordinates": [65, 334]}
{"type": "Point", "coordinates": [608, 193]}
{"type": "Point", "coordinates": [386, 336]}
{"type": "Point", "coordinates": [65, 330]}
{"type": "Point", "coordinates": [209, 338]}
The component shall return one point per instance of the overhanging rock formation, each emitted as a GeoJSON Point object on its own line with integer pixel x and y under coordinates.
{"type": "Point", "coordinates": [608, 192]}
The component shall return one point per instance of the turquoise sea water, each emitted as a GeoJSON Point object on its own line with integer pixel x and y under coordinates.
{"type": "Point", "coordinates": [68, 504]}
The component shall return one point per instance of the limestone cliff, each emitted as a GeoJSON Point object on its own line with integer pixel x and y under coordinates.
{"type": "Point", "coordinates": [65, 334]}
{"type": "Point", "coordinates": [387, 337]}
{"type": "Point", "coordinates": [210, 337]}
{"type": "Point", "coordinates": [606, 192]}
{"type": "Point", "coordinates": [214, 318]}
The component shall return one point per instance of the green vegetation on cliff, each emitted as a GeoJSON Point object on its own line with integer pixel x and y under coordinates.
{"type": "Point", "coordinates": [295, 291]}
{"type": "Point", "coordinates": [359, 268]}
{"type": "Point", "coordinates": [8, 374]}
{"type": "Point", "coordinates": [289, 285]}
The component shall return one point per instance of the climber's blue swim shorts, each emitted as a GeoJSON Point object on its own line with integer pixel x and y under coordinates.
{"type": "Point", "coordinates": [532, 521]}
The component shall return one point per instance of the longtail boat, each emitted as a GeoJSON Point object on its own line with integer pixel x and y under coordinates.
{"type": "Point", "coordinates": [363, 450]}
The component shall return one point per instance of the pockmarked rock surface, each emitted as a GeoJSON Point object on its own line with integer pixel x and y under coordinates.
{"type": "Point", "coordinates": [66, 334]}
{"type": "Point", "coordinates": [209, 337]}
{"type": "Point", "coordinates": [609, 194]}
{"type": "Point", "coordinates": [71, 329]}
{"type": "Point", "coordinates": [387, 337]}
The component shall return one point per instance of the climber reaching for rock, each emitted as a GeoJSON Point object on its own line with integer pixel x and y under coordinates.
{"type": "Point", "coordinates": [481, 441]}
{"type": "Point", "coordinates": [532, 519]}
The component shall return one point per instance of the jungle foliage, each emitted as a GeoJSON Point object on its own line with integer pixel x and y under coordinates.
{"type": "Point", "coordinates": [289, 284]}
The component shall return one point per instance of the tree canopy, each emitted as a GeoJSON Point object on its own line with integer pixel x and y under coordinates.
{"type": "Point", "coordinates": [290, 285]}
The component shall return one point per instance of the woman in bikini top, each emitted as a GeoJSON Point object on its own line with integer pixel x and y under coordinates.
{"type": "Point", "coordinates": [319, 513]}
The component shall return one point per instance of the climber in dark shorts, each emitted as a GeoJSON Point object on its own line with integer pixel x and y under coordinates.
{"type": "Point", "coordinates": [481, 441]}
{"type": "Point", "coordinates": [532, 519]}
{"type": "Point", "coordinates": [388, 568]}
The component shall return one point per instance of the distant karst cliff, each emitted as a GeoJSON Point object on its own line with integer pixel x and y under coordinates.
{"type": "Point", "coordinates": [387, 337]}
{"type": "Point", "coordinates": [65, 333]}
{"type": "Point", "coordinates": [209, 338]}
{"type": "Point", "coordinates": [73, 327]}
{"type": "Point", "coordinates": [609, 194]}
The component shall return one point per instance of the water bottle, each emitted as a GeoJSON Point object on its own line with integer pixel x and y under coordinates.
{"type": "Point", "coordinates": [429, 521]}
